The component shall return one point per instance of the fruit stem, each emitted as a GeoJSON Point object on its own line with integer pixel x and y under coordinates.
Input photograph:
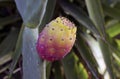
{"type": "Point", "coordinates": [44, 70]}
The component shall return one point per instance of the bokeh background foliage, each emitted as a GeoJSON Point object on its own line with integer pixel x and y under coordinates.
{"type": "Point", "coordinates": [96, 52]}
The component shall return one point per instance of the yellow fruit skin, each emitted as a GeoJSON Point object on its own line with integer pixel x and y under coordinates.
{"type": "Point", "coordinates": [56, 39]}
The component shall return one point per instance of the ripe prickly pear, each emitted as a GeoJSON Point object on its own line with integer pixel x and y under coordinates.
{"type": "Point", "coordinates": [56, 39]}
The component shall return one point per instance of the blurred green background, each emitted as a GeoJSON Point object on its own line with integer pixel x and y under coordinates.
{"type": "Point", "coordinates": [96, 52]}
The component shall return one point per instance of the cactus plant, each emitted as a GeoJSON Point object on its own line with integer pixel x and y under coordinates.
{"type": "Point", "coordinates": [56, 39]}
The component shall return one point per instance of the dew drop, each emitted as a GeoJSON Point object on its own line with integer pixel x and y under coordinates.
{"type": "Point", "coordinates": [43, 56]}
{"type": "Point", "coordinates": [62, 18]}
{"type": "Point", "coordinates": [64, 49]}
{"type": "Point", "coordinates": [42, 47]}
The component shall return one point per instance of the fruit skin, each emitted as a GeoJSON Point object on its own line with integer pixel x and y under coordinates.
{"type": "Point", "coordinates": [56, 39]}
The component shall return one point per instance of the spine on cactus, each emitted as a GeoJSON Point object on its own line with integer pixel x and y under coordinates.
{"type": "Point", "coordinates": [56, 39]}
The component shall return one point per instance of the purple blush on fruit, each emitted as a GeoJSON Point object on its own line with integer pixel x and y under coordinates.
{"type": "Point", "coordinates": [56, 39]}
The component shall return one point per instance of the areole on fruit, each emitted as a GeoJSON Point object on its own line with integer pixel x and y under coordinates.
{"type": "Point", "coordinates": [56, 39]}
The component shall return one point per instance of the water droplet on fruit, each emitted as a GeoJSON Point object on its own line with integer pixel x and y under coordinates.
{"type": "Point", "coordinates": [64, 49]}
{"type": "Point", "coordinates": [43, 56]}
{"type": "Point", "coordinates": [42, 47]}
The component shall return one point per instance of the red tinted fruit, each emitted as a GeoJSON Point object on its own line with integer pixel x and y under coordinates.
{"type": "Point", "coordinates": [56, 39]}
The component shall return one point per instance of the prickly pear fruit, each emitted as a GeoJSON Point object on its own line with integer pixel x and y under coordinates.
{"type": "Point", "coordinates": [56, 39]}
